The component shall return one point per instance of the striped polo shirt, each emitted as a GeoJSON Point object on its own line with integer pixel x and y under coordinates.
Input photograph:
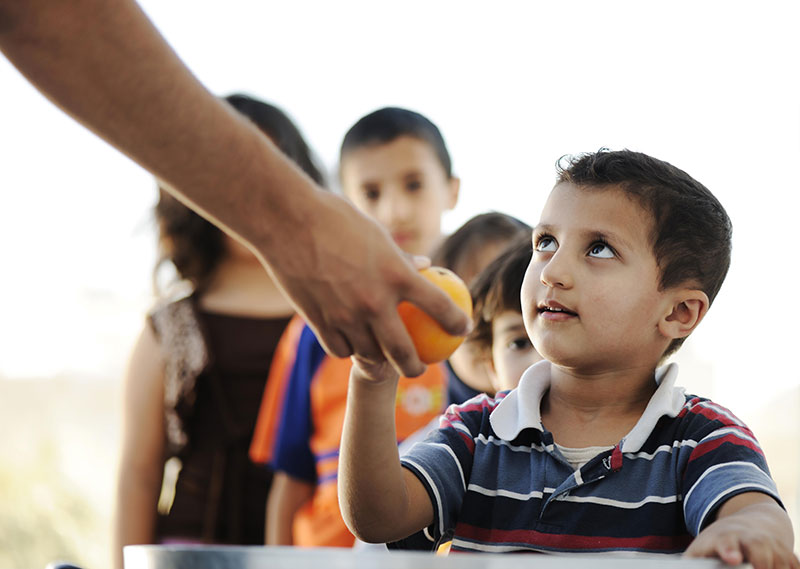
{"type": "Point", "coordinates": [499, 483]}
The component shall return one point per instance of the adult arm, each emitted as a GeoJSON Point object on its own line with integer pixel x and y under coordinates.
{"type": "Point", "coordinates": [749, 528]}
{"type": "Point", "coordinates": [380, 500]}
{"type": "Point", "coordinates": [106, 65]}
{"type": "Point", "coordinates": [286, 496]}
{"type": "Point", "coordinates": [141, 465]}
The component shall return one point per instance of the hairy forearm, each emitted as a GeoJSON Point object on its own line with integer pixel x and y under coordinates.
{"type": "Point", "coordinates": [107, 66]}
{"type": "Point", "coordinates": [373, 488]}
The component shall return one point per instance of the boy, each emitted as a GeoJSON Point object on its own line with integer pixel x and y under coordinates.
{"type": "Point", "coordinates": [466, 252]}
{"type": "Point", "coordinates": [596, 450]}
{"type": "Point", "coordinates": [394, 166]}
{"type": "Point", "coordinates": [499, 329]}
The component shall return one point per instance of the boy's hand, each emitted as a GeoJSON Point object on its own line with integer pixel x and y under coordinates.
{"type": "Point", "coordinates": [373, 372]}
{"type": "Point", "coordinates": [752, 530]}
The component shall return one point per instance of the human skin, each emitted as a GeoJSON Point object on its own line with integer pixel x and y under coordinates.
{"type": "Point", "coordinates": [588, 246]}
{"type": "Point", "coordinates": [122, 81]}
{"type": "Point", "coordinates": [512, 351]}
{"type": "Point", "coordinates": [286, 496]}
{"type": "Point", "coordinates": [403, 186]}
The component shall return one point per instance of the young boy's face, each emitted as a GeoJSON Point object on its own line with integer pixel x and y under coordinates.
{"type": "Point", "coordinates": [512, 351]}
{"type": "Point", "coordinates": [590, 296]}
{"type": "Point", "coordinates": [404, 187]}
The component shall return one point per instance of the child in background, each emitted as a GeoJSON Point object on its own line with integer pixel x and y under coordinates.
{"type": "Point", "coordinates": [499, 332]}
{"type": "Point", "coordinates": [466, 252]}
{"type": "Point", "coordinates": [596, 450]}
{"type": "Point", "coordinates": [394, 166]}
{"type": "Point", "coordinates": [197, 374]}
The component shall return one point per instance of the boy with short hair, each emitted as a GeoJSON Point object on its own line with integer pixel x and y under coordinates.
{"type": "Point", "coordinates": [596, 450]}
{"type": "Point", "coordinates": [499, 329]}
{"type": "Point", "coordinates": [394, 166]}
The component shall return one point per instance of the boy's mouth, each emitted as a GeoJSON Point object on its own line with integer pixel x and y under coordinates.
{"type": "Point", "coordinates": [552, 310]}
{"type": "Point", "coordinates": [402, 237]}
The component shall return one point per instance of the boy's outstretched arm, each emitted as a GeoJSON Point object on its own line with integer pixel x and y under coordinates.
{"type": "Point", "coordinates": [750, 528]}
{"type": "Point", "coordinates": [380, 500]}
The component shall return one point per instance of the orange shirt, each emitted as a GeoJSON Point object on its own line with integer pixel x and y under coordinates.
{"type": "Point", "coordinates": [304, 440]}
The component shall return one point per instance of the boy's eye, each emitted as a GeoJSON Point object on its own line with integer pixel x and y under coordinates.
{"type": "Point", "coordinates": [413, 185]}
{"type": "Point", "coordinates": [372, 193]}
{"type": "Point", "coordinates": [519, 343]}
{"type": "Point", "coordinates": [601, 250]}
{"type": "Point", "coordinates": [545, 243]}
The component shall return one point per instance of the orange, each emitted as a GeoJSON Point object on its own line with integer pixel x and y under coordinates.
{"type": "Point", "coordinates": [432, 343]}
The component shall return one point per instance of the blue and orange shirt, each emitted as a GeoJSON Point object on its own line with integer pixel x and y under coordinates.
{"type": "Point", "coordinates": [307, 396]}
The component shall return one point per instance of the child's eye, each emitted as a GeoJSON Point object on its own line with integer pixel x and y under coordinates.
{"type": "Point", "coordinates": [545, 243]}
{"type": "Point", "coordinates": [519, 343]}
{"type": "Point", "coordinates": [372, 193]}
{"type": "Point", "coordinates": [601, 250]}
{"type": "Point", "coordinates": [413, 185]}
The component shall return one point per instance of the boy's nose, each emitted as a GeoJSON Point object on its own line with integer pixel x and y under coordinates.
{"type": "Point", "coordinates": [556, 273]}
{"type": "Point", "coordinates": [395, 208]}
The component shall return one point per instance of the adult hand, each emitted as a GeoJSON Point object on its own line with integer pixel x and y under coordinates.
{"type": "Point", "coordinates": [125, 83]}
{"type": "Point", "coordinates": [346, 277]}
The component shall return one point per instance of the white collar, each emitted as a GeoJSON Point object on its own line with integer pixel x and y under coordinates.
{"type": "Point", "coordinates": [520, 409]}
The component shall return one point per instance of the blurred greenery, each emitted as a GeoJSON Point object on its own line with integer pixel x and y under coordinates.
{"type": "Point", "coordinates": [56, 472]}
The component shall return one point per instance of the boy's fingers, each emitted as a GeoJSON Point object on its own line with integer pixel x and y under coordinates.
{"type": "Point", "coordinates": [759, 556]}
{"type": "Point", "coordinates": [729, 550]}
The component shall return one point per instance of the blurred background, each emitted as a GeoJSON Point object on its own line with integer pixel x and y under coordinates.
{"type": "Point", "coordinates": [711, 87]}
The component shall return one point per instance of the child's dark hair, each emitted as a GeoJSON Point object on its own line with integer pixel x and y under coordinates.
{"type": "Point", "coordinates": [497, 289]}
{"type": "Point", "coordinates": [194, 245]}
{"type": "Point", "coordinates": [691, 236]}
{"type": "Point", "coordinates": [387, 124]}
{"type": "Point", "coordinates": [484, 229]}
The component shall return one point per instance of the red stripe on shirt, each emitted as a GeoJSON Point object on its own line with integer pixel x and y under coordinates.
{"type": "Point", "coordinates": [572, 542]}
{"type": "Point", "coordinates": [713, 444]}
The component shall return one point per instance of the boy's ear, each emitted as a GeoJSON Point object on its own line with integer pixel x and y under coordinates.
{"type": "Point", "coordinates": [454, 187]}
{"type": "Point", "coordinates": [687, 309]}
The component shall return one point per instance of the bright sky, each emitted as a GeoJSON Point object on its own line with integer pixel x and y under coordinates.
{"type": "Point", "coordinates": [712, 87]}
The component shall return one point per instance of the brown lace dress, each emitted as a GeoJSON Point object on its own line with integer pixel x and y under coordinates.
{"type": "Point", "coordinates": [216, 369]}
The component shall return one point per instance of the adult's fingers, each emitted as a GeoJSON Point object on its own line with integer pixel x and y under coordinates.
{"type": "Point", "coordinates": [332, 341]}
{"type": "Point", "coordinates": [364, 345]}
{"type": "Point", "coordinates": [356, 340]}
{"type": "Point", "coordinates": [395, 343]}
{"type": "Point", "coordinates": [419, 262]}
{"type": "Point", "coordinates": [438, 305]}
